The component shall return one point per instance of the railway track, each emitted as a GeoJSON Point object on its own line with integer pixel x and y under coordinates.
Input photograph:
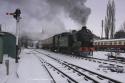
{"type": "Point", "coordinates": [98, 60]}
{"type": "Point", "coordinates": [66, 75]}
{"type": "Point", "coordinates": [106, 62]}
{"type": "Point", "coordinates": [111, 60]}
{"type": "Point", "coordinates": [101, 61]}
{"type": "Point", "coordinates": [71, 73]}
{"type": "Point", "coordinates": [112, 65]}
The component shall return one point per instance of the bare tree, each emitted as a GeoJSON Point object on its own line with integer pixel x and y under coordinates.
{"type": "Point", "coordinates": [23, 41]}
{"type": "Point", "coordinates": [106, 29]}
{"type": "Point", "coordinates": [110, 20]}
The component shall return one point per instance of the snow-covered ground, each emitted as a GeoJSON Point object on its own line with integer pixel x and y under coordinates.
{"type": "Point", "coordinates": [12, 70]}
{"type": "Point", "coordinates": [90, 65]}
{"type": "Point", "coordinates": [103, 55]}
{"type": "Point", "coordinates": [30, 70]}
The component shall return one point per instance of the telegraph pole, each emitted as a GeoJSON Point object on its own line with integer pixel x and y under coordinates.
{"type": "Point", "coordinates": [17, 17]}
{"type": "Point", "coordinates": [102, 30]}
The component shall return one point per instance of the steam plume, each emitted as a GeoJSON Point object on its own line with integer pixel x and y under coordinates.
{"type": "Point", "coordinates": [45, 16]}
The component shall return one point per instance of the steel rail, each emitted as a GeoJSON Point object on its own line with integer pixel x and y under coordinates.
{"type": "Point", "coordinates": [48, 72]}
{"type": "Point", "coordinates": [113, 80]}
{"type": "Point", "coordinates": [68, 77]}
{"type": "Point", "coordinates": [95, 81]}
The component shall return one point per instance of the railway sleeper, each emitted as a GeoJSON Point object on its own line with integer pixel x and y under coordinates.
{"type": "Point", "coordinates": [100, 78]}
{"type": "Point", "coordinates": [86, 78]}
{"type": "Point", "coordinates": [97, 74]}
{"type": "Point", "coordinates": [111, 80]}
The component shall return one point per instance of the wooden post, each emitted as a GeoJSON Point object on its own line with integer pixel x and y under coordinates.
{"type": "Point", "coordinates": [7, 66]}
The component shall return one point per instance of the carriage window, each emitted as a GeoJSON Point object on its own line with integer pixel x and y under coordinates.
{"type": "Point", "coordinates": [110, 43]}
{"type": "Point", "coordinates": [101, 43]}
{"type": "Point", "coordinates": [98, 43]}
{"type": "Point", "coordinates": [120, 43]}
{"type": "Point", "coordinates": [105, 43]}
{"type": "Point", "coordinates": [115, 43]}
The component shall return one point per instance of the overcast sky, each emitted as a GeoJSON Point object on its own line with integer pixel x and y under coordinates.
{"type": "Point", "coordinates": [98, 12]}
{"type": "Point", "coordinates": [48, 17]}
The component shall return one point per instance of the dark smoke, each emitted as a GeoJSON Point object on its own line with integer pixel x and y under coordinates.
{"type": "Point", "coordinates": [75, 8]}
{"type": "Point", "coordinates": [45, 16]}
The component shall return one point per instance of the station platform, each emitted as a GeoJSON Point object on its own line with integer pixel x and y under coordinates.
{"type": "Point", "coordinates": [28, 70]}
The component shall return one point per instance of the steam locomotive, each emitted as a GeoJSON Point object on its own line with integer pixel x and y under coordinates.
{"type": "Point", "coordinates": [75, 42]}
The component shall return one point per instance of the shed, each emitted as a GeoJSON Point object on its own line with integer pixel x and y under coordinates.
{"type": "Point", "coordinates": [8, 44]}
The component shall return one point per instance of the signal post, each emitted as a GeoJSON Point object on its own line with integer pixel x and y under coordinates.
{"type": "Point", "coordinates": [17, 17]}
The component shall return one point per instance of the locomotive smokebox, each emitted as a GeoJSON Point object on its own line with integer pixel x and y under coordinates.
{"type": "Point", "coordinates": [84, 36]}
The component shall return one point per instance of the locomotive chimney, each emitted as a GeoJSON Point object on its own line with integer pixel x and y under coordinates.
{"type": "Point", "coordinates": [84, 27]}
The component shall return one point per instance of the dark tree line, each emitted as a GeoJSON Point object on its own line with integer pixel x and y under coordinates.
{"type": "Point", "coordinates": [121, 32]}
{"type": "Point", "coordinates": [24, 41]}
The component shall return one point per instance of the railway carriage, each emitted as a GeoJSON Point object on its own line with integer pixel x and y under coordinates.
{"type": "Point", "coordinates": [47, 43]}
{"type": "Point", "coordinates": [110, 45]}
